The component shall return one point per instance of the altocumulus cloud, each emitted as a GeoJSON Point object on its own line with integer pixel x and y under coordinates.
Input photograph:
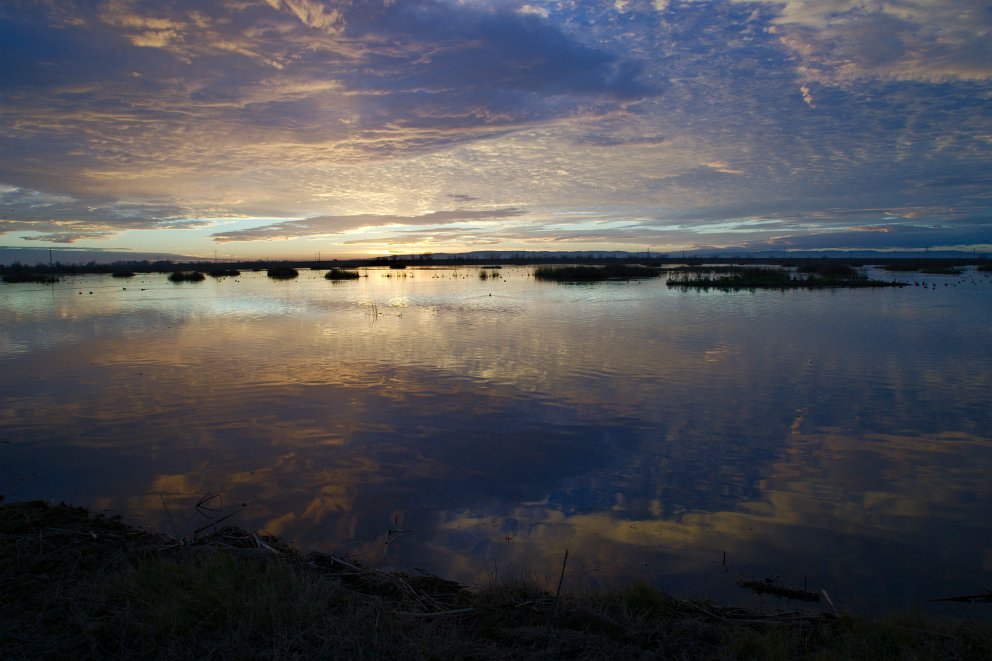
{"type": "Point", "coordinates": [734, 123]}
{"type": "Point", "coordinates": [326, 225]}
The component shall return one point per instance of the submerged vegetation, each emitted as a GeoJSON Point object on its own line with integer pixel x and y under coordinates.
{"type": "Point", "coordinates": [488, 273]}
{"type": "Point", "coordinates": [81, 585]}
{"type": "Point", "coordinates": [582, 273]}
{"type": "Point", "coordinates": [38, 278]}
{"type": "Point", "coordinates": [186, 276]}
{"type": "Point", "coordinates": [342, 274]}
{"type": "Point", "coordinates": [282, 272]}
{"type": "Point", "coordinates": [734, 278]}
{"type": "Point", "coordinates": [924, 267]}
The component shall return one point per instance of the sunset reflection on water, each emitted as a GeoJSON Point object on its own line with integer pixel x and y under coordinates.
{"type": "Point", "coordinates": [839, 438]}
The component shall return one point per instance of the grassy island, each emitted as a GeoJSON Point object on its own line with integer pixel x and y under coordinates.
{"type": "Point", "coordinates": [736, 278]}
{"type": "Point", "coordinates": [566, 273]}
{"type": "Point", "coordinates": [76, 585]}
{"type": "Point", "coordinates": [186, 276]}
{"type": "Point", "coordinates": [282, 272]}
{"type": "Point", "coordinates": [341, 274]}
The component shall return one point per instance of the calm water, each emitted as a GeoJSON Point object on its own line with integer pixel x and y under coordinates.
{"type": "Point", "coordinates": [841, 438]}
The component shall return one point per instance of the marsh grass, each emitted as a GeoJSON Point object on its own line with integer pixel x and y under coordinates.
{"type": "Point", "coordinates": [924, 267]}
{"type": "Point", "coordinates": [223, 273]}
{"type": "Point", "coordinates": [488, 273]}
{"type": "Point", "coordinates": [342, 274]}
{"type": "Point", "coordinates": [37, 278]}
{"type": "Point", "coordinates": [567, 273]}
{"type": "Point", "coordinates": [186, 276]}
{"type": "Point", "coordinates": [282, 272]}
{"type": "Point", "coordinates": [77, 585]}
{"type": "Point", "coordinates": [737, 278]}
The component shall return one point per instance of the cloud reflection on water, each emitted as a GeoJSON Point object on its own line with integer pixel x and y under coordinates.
{"type": "Point", "coordinates": [645, 430]}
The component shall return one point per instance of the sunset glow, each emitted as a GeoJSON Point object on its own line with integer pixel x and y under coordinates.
{"type": "Point", "coordinates": [284, 128]}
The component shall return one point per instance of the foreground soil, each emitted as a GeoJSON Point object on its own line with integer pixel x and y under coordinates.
{"type": "Point", "coordinates": [76, 585]}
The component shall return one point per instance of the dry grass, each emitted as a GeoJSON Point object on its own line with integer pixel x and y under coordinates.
{"type": "Point", "coordinates": [74, 585]}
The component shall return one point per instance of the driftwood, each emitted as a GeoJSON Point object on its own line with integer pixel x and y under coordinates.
{"type": "Point", "coordinates": [969, 598]}
{"type": "Point", "coordinates": [767, 586]}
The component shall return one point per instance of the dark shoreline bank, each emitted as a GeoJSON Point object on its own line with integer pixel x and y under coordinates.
{"type": "Point", "coordinates": [75, 584]}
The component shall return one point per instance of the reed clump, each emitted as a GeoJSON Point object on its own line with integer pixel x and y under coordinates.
{"type": "Point", "coordinates": [282, 272]}
{"type": "Point", "coordinates": [737, 278]}
{"type": "Point", "coordinates": [186, 276]}
{"type": "Point", "coordinates": [583, 273]}
{"type": "Point", "coordinates": [342, 274]}
{"type": "Point", "coordinates": [924, 267]}
{"type": "Point", "coordinates": [223, 273]}
{"type": "Point", "coordinates": [27, 276]}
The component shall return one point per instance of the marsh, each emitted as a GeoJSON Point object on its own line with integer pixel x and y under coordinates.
{"type": "Point", "coordinates": [687, 438]}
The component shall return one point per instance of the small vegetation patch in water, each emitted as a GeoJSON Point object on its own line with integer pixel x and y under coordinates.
{"type": "Point", "coordinates": [282, 272]}
{"type": "Point", "coordinates": [37, 278]}
{"type": "Point", "coordinates": [582, 273]}
{"type": "Point", "coordinates": [186, 276]}
{"type": "Point", "coordinates": [735, 278]}
{"type": "Point", "coordinates": [122, 274]}
{"type": "Point", "coordinates": [342, 274]}
{"type": "Point", "coordinates": [222, 273]}
{"type": "Point", "coordinates": [922, 267]}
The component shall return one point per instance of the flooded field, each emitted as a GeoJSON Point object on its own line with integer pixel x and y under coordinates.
{"type": "Point", "coordinates": [471, 426]}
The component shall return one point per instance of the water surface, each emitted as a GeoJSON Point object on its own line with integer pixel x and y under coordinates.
{"type": "Point", "coordinates": [837, 438]}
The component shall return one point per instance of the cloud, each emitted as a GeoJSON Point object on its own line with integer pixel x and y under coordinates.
{"type": "Point", "coordinates": [63, 219]}
{"type": "Point", "coordinates": [688, 119]}
{"type": "Point", "coordinates": [929, 41]}
{"type": "Point", "coordinates": [325, 225]}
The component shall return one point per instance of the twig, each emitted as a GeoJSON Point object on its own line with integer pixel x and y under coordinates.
{"type": "Point", "coordinates": [554, 611]}
{"type": "Point", "coordinates": [456, 611]}
{"type": "Point", "coordinates": [168, 514]}
{"type": "Point", "coordinates": [202, 507]}
{"type": "Point", "coordinates": [827, 597]}
{"type": "Point", "coordinates": [75, 532]}
{"type": "Point", "coordinates": [220, 520]}
{"type": "Point", "coordinates": [263, 545]}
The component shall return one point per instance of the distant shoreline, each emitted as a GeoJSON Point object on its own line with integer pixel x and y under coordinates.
{"type": "Point", "coordinates": [168, 266]}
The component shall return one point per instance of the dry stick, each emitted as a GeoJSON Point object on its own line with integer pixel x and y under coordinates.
{"type": "Point", "coordinates": [554, 611]}
{"type": "Point", "coordinates": [829, 601]}
{"type": "Point", "coordinates": [456, 611]}
{"type": "Point", "coordinates": [168, 514]}
{"type": "Point", "coordinates": [263, 546]}
{"type": "Point", "coordinates": [220, 520]}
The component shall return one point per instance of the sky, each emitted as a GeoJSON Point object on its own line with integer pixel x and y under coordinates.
{"type": "Point", "coordinates": [297, 128]}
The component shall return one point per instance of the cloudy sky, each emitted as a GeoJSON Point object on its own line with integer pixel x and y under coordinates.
{"type": "Point", "coordinates": [354, 127]}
